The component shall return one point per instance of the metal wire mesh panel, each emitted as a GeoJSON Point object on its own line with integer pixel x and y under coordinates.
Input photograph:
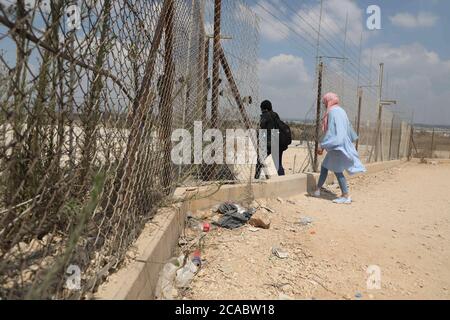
{"type": "Point", "coordinates": [378, 140]}
{"type": "Point", "coordinates": [91, 93]}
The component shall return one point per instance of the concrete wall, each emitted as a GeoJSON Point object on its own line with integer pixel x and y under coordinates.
{"type": "Point", "coordinates": [155, 246]}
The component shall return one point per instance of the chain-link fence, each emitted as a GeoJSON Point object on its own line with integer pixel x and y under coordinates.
{"type": "Point", "coordinates": [382, 136]}
{"type": "Point", "coordinates": [91, 92]}
{"type": "Point", "coordinates": [430, 142]}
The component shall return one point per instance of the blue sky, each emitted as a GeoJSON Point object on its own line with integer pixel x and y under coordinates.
{"type": "Point", "coordinates": [414, 44]}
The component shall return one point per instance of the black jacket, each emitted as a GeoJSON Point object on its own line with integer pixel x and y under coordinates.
{"type": "Point", "coordinates": [267, 121]}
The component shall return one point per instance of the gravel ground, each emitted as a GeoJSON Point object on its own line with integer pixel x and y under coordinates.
{"type": "Point", "coordinates": [399, 223]}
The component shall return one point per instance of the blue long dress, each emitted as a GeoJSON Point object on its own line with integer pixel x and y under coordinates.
{"type": "Point", "coordinates": [338, 141]}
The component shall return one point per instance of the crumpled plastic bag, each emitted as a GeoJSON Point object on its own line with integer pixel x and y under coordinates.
{"type": "Point", "coordinates": [234, 216]}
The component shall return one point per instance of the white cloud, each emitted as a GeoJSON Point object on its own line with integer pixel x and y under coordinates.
{"type": "Point", "coordinates": [421, 80]}
{"type": "Point", "coordinates": [334, 15]}
{"type": "Point", "coordinates": [408, 20]}
{"type": "Point", "coordinates": [271, 28]}
{"type": "Point", "coordinates": [285, 81]}
{"type": "Point", "coordinates": [305, 20]}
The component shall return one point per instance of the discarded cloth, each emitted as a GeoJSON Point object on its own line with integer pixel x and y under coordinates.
{"type": "Point", "coordinates": [233, 216]}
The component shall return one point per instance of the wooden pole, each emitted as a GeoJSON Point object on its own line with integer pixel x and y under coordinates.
{"type": "Point", "coordinates": [400, 140]}
{"type": "Point", "coordinates": [233, 87]}
{"type": "Point", "coordinates": [205, 80]}
{"type": "Point", "coordinates": [319, 98]}
{"type": "Point", "coordinates": [166, 100]}
{"type": "Point", "coordinates": [238, 99]}
{"type": "Point", "coordinates": [410, 146]}
{"type": "Point", "coordinates": [216, 64]}
{"type": "Point", "coordinates": [390, 139]}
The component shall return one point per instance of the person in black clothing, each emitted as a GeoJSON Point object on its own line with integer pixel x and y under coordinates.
{"type": "Point", "coordinates": [268, 122]}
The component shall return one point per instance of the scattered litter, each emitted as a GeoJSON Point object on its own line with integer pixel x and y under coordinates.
{"type": "Point", "coordinates": [253, 229]}
{"type": "Point", "coordinates": [234, 216]}
{"type": "Point", "coordinates": [280, 253]}
{"type": "Point", "coordinates": [312, 232]}
{"type": "Point", "coordinates": [165, 289]}
{"type": "Point", "coordinates": [197, 260]}
{"type": "Point", "coordinates": [226, 208]}
{"type": "Point", "coordinates": [358, 295]}
{"type": "Point", "coordinates": [304, 221]}
{"type": "Point", "coordinates": [192, 222]}
{"type": "Point", "coordinates": [182, 241]}
{"type": "Point", "coordinates": [185, 275]}
{"type": "Point", "coordinates": [206, 227]}
{"type": "Point", "coordinates": [268, 209]}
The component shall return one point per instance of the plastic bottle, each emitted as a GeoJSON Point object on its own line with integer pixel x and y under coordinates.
{"type": "Point", "coordinates": [197, 260]}
{"type": "Point", "coordinates": [165, 288]}
{"type": "Point", "coordinates": [185, 275]}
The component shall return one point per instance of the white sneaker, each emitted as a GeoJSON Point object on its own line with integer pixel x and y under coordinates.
{"type": "Point", "coordinates": [316, 194]}
{"type": "Point", "coordinates": [342, 200]}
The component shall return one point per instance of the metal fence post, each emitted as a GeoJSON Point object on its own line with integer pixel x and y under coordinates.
{"type": "Point", "coordinates": [378, 146]}
{"type": "Point", "coordinates": [319, 98]}
{"type": "Point", "coordinates": [358, 121]}
{"type": "Point", "coordinates": [432, 145]}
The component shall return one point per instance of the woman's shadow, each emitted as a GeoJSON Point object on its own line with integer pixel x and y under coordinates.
{"type": "Point", "coordinates": [325, 194]}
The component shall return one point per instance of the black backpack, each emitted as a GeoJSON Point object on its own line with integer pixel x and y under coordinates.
{"type": "Point", "coordinates": [285, 132]}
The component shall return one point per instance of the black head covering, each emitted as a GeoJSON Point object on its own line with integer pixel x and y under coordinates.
{"type": "Point", "coordinates": [266, 105]}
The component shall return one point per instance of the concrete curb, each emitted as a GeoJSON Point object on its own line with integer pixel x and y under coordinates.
{"type": "Point", "coordinates": [138, 279]}
{"type": "Point", "coordinates": [431, 160]}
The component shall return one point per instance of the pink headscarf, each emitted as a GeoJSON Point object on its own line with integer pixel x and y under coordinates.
{"type": "Point", "coordinates": [331, 100]}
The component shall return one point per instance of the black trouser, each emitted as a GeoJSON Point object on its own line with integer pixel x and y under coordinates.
{"type": "Point", "coordinates": [260, 165]}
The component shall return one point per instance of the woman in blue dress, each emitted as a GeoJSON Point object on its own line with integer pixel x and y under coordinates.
{"type": "Point", "coordinates": [338, 143]}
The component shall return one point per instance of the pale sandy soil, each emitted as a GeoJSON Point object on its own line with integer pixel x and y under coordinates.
{"type": "Point", "coordinates": [399, 221]}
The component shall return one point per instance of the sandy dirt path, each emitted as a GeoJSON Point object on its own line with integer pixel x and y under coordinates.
{"type": "Point", "coordinates": [399, 222]}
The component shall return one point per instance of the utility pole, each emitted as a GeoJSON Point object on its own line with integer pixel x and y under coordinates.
{"type": "Point", "coordinates": [319, 98]}
{"type": "Point", "coordinates": [378, 142]}
{"type": "Point", "coordinates": [318, 32]}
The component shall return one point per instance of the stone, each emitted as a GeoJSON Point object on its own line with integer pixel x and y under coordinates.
{"type": "Point", "coordinates": [27, 275]}
{"type": "Point", "coordinates": [280, 253]}
{"type": "Point", "coordinates": [34, 267]}
{"type": "Point", "coordinates": [253, 229]}
{"type": "Point", "coordinates": [260, 219]}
